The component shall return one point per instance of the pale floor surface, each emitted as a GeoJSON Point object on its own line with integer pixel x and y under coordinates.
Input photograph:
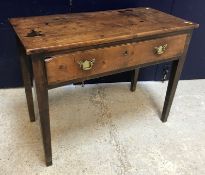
{"type": "Point", "coordinates": [107, 130]}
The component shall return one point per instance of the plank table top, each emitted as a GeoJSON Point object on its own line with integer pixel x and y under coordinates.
{"type": "Point", "coordinates": [66, 31]}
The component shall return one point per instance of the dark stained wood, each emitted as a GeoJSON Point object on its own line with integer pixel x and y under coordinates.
{"type": "Point", "coordinates": [177, 67]}
{"type": "Point", "coordinates": [58, 32]}
{"type": "Point", "coordinates": [65, 67]}
{"type": "Point", "coordinates": [42, 98]}
{"type": "Point", "coordinates": [118, 40]}
{"type": "Point", "coordinates": [134, 78]}
{"type": "Point", "coordinates": [27, 81]}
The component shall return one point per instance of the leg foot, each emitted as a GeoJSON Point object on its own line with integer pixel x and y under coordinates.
{"type": "Point", "coordinates": [49, 163]}
{"type": "Point", "coordinates": [134, 78]}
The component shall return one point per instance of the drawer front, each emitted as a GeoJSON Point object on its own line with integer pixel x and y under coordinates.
{"type": "Point", "coordinates": [82, 64]}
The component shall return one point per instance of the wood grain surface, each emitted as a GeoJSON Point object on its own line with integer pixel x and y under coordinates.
{"type": "Point", "coordinates": [58, 32]}
{"type": "Point", "coordinates": [65, 67]}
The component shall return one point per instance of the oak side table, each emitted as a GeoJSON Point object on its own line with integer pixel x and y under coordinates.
{"type": "Point", "coordinates": [70, 48]}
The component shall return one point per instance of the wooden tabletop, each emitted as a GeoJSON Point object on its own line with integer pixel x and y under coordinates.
{"type": "Point", "coordinates": [73, 30]}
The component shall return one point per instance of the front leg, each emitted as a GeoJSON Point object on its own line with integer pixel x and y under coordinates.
{"type": "Point", "coordinates": [177, 67]}
{"type": "Point", "coordinates": [172, 85]}
{"type": "Point", "coordinates": [42, 98]}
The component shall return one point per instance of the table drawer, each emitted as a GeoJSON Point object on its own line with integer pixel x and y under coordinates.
{"type": "Point", "coordinates": [82, 64]}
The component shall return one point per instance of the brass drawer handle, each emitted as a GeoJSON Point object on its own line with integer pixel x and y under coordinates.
{"type": "Point", "coordinates": [160, 49]}
{"type": "Point", "coordinates": [86, 65]}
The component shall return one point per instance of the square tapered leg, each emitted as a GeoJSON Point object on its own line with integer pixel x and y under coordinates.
{"type": "Point", "coordinates": [42, 99]}
{"type": "Point", "coordinates": [177, 67]}
{"type": "Point", "coordinates": [134, 78]}
{"type": "Point", "coordinates": [26, 75]}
